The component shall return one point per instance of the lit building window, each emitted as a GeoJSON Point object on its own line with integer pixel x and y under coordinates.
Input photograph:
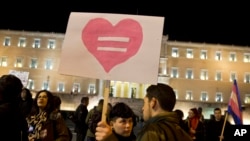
{"type": "Point", "coordinates": [3, 61]}
{"type": "Point", "coordinates": [247, 98]}
{"type": "Point", "coordinates": [6, 41]}
{"type": "Point", "coordinates": [76, 88]}
{"type": "Point", "coordinates": [163, 66]}
{"type": "Point", "coordinates": [48, 64]}
{"type": "Point", "coordinates": [190, 53]}
{"type": "Point", "coordinates": [30, 84]}
{"type": "Point", "coordinates": [45, 85]}
{"type": "Point", "coordinates": [175, 52]}
{"type": "Point", "coordinates": [33, 63]}
{"type": "Point", "coordinates": [36, 43]}
{"type": "Point", "coordinates": [91, 89]}
{"type": "Point", "coordinates": [218, 97]}
{"type": "Point", "coordinates": [22, 42]}
{"type": "Point", "coordinates": [60, 87]}
{"type": "Point", "coordinates": [247, 78]}
{"type": "Point", "coordinates": [204, 96]}
{"type": "Point", "coordinates": [246, 57]}
{"type": "Point", "coordinates": [232, 57]}
{"type": "Point", "coordinates": [189, 74]}
{"type": "Point", "coordinates": [218, 76]}
{"type": "Point", "coordinates": [174, 72]}
{"type": "Point", "coordinates": [176, 93]}
{"type": "Point", "coordinates": [203, 54]}
{"type": "Point", "coordinates": [189, 95]}
{"type": "Point", "coordinates": [19, 62]}
{"type": "Point", "coordinates": [218, 55]}
{"type": "Point", "coordinates": [51, 44]}
{"type": "Point", "coordinates": [233, 76]}
{"type": "Point", "coordinates": [204, 75]}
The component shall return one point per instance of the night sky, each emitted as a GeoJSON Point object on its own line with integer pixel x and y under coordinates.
{"type": "Point", "coordinates": [203, 24]}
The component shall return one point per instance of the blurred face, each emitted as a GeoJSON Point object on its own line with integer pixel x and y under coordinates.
{"type": "Point", "coordinates": [23, 94]}
{"type": "Point", "coordinates": [217, 115]}
{"type": "Point", "coordinates": [122, 126]}
{"type": "Point", "coordinates": [146, 110]}
{"type": "Point", "coordinates": [42, 100]}
{"type": "Point", "coordinates": [191, 114]}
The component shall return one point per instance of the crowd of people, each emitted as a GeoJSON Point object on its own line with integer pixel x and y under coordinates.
{"type": "Point", "coordinates": [26, 119]}
{"type": "Point", "coordinates": [23, 118]}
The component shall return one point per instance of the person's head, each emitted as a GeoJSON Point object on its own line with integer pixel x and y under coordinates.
{"type": "Point", "coordinates": [159, 98]}
{"type": "Point", "coordinates": [199, 110]}
{"type": "Point", "coordinates": [110, 106]}
{"type": "Point", "coordinates": [10, 88]}
{"type": "Point", "coordinates": [85, 101]}
{"type": "Point", "coordinates": [217, 114]}
{"type": "Point", "coordinates": [57, 102]}
{"type": "Point", "coordinates": [26, 94]}
{"type": "Point", "coordinates": [179, 113]}
{"type": "Point", "coordinates": [193, 113]}
{"type": "Point", "coordinates": [121, 119]}
{"type": "Point", "coordinates": [44, 100]}
{"type": "Point", "coordinates": [100, 104]}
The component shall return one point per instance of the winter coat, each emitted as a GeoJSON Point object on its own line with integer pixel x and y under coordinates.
{"type": "Point", "coordinates": [13, 126]}
{"type": "Point", "coordinates": [163, 127]}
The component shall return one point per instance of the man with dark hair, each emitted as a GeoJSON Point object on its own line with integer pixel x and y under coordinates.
{"type": "Point", "coordinates": [79, 119]}
{"type": "Point", "coordinates": [161, 123]}
{"type": "Point", "coordinates": [201, 116]}
{"type": "Point", "coordinates": [13, 124]}
{"type": "Point", "coordinates": [91, 119]}
{"type": "Point", "coordinates": [180, 114]}
{"type": "Point", "coordinates": [214, 128]}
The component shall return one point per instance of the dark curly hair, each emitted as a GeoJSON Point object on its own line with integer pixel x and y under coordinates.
{"type": "Point", "coordinates": [50, 105]}
{"type": "Point", "coordinates": [28, 94]}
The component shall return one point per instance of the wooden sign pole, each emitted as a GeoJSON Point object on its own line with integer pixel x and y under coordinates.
{"type": "Point", "coordinates": [105, 100]}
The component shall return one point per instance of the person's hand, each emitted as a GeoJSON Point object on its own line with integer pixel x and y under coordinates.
{"type": "Point", "coordinates": [103, 131]}
{"type": "Point", "coordinates": [192, 131]}
{"type": "Point", "coordinates": [31, 138]}
{"type": "Point", "coordinates": [43, 133]}
{"type": "Point", "coordinates": [221, 137]}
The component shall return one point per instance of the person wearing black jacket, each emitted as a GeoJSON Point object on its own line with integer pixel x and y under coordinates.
{"type": "Point", "coordinates": [26, 102]}
{"type": "Point", "coordinates": [214, 127]}
{"type": "Point", "coordinates": [79, 119]}
{"type": "Point", "coordinates": [13, 126]}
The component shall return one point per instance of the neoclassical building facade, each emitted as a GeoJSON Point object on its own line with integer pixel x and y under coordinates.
{"type": "Point", "coordinates": [199, 72]}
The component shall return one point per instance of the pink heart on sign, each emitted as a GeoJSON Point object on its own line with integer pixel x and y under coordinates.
{"type": "Point", "coordinates": [112, 45]}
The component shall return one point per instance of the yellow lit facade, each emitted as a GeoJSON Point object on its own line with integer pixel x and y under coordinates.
{"type": "Point", "coordinates": [197, 71]}
{"type": "Point", "coordinates": [205, 72]}
{"type": "Point", "coordinates": [39, 55]}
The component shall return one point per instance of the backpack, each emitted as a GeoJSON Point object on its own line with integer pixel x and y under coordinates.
{"type": "Point", "coordinates": [95, 117]}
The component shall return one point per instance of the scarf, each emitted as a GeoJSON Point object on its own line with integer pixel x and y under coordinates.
{"type": "Point", "coordinates": [35, 124]}
{"type": "Point", "coordinates": [193, 123]}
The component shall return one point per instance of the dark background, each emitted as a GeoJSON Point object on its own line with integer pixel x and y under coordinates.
{"type": "Point", "coordinates": [197, 22]}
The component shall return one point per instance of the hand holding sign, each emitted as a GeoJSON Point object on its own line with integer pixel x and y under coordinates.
{"type": "Point", "coordinates": [106, 46]}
